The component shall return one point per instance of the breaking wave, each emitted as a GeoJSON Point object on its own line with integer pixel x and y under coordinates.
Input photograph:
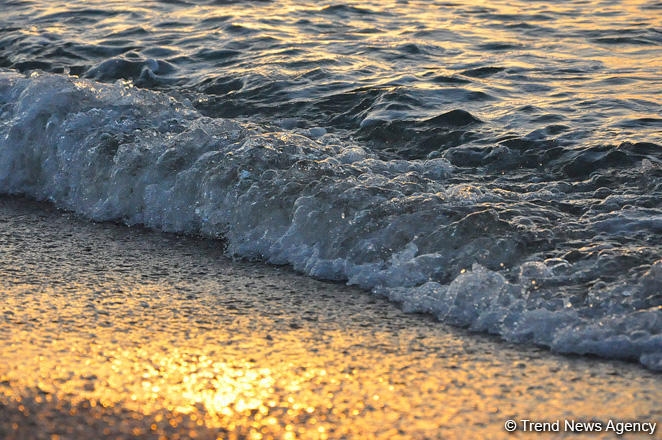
{"type": "Point", "coordinates": [571, 261]}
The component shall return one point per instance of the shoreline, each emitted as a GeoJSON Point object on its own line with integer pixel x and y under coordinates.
{"type": "Point", "coordinates": [115, 332]}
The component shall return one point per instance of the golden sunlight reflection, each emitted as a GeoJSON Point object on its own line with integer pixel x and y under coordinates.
{"type": "Point", "coordinates": [182, 365]}
{"type": "Point", "coordinates": [457, 31]}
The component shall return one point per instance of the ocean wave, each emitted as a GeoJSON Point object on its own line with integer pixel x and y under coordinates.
{"type": "Point", "coordinates": [561, 263]}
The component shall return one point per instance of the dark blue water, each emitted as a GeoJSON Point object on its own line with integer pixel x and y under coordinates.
{"type": "Point", "coordinates": [496, 164]}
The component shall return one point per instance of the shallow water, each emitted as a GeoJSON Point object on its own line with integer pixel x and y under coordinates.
{"type": "Point", "coordinates": [495, 164]}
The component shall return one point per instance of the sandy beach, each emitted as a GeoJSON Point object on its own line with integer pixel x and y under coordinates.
{"type": "Point", "coordinates": [115, 332]}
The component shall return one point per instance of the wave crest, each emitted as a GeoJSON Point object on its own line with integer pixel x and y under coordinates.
{"type": "Point", "coordinates": [402, 228]}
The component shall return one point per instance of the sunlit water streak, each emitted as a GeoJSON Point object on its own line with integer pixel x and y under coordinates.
{"type": "Point", "coordinates": [495, 164]}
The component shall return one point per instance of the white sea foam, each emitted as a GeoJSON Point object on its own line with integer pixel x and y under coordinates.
{"type": "Point", "coordinates": [401, 228]}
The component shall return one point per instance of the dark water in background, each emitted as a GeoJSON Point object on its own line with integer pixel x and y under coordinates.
{"type": "Point", "coordinates": [497, 164]}
{"type": "Point", "coordinates": [533, 76]}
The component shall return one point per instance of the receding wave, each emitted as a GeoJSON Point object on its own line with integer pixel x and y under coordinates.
{"type": "Point", "coordinates": [570, 264]}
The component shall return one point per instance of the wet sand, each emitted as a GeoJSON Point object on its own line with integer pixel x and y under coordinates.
{"type": "Point", "coordinates": [115, 332]}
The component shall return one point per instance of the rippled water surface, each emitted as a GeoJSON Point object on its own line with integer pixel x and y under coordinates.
{"type": "Point", "coordinates": [528, 72]}
{"type": "Point", "coordinates": [497, 164]}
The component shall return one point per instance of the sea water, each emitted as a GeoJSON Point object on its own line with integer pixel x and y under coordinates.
{"type": "Point", "coordinates": [496, 164]}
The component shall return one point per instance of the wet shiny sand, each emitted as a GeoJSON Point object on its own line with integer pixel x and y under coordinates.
{"type": "Point", "coordinates": [115, 332]}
